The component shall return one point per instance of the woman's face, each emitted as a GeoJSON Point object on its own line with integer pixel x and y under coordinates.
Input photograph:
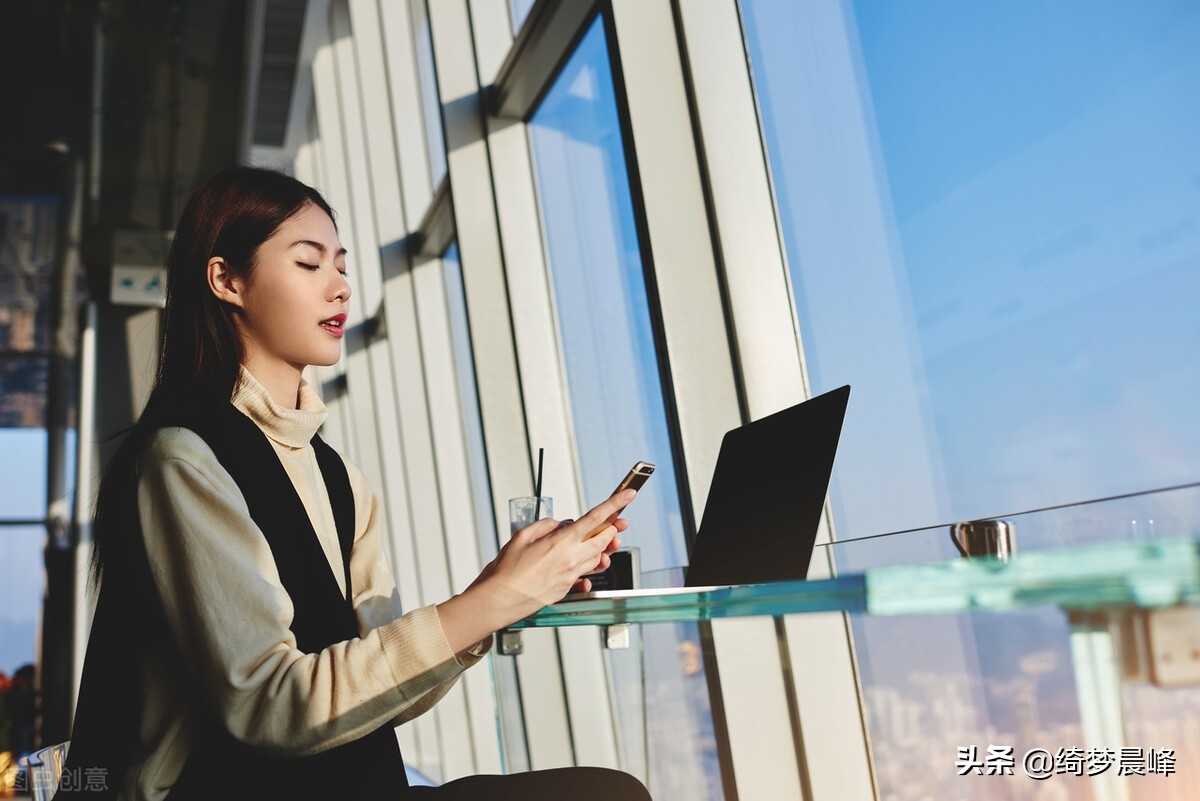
{"type": "Point", "coordinates": [295, 300]}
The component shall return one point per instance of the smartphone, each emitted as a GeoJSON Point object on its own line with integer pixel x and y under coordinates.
{"type": "Point", "coordinates": [634, 479]}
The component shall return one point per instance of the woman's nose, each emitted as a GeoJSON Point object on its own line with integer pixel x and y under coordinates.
{"type": "Point", "coordinates": [342, 290]}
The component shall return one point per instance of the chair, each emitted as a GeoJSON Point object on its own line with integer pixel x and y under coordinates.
{"type": "Point", "coordinates": [45, 769]}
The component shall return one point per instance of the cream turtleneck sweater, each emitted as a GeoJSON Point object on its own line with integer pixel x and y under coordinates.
{"type": "Point", "coordinates": [230, 615]}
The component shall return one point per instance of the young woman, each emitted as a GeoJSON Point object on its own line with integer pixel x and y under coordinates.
{"type": "Point", "coordinates": [249, 640]}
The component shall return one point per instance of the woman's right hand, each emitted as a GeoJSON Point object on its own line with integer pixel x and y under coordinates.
{"type": "Point", "coordinates": [537, 567]}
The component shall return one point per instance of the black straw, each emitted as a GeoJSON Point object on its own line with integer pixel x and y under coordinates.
{"type": "Point", "coordinates": [537, 489]}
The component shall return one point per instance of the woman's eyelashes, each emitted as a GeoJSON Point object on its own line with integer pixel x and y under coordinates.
{"type": "Point", "coordinates": [311, 267]}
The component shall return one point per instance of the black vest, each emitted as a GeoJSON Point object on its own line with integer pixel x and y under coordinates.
{"type": "Point", "coordinates": [368, 768]}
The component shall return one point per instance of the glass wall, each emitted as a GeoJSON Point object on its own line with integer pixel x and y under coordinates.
{"type": "Point", "coordinates": [990, 215]}
{"type": "Point", "coordinates": [608, 348]}
{"type": "Point", "coordinates": [520, 10]}
{"type": "Point", "coordinates": [989, 212]}
{"type": "Point", "coordinates": [510, 722]}
{"type": "Point", "coordinates": [609, 358]}
{"type": "Point", "coordinates": [22, 580]}
{"type": "Point", "coordinates": [431, 106]}
{"type": "Point", "coordinates": [28, 228]}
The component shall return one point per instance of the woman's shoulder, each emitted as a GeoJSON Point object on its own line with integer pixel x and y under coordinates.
{"type": "Point", "coordinates": [177, 442]}
{"type": "Point", "coordinates": [185, 433]}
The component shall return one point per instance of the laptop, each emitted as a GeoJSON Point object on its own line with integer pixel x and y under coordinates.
{"type": "Point", "coordinates": [765, 502]}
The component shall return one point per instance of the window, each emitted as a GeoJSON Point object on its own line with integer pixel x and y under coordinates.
{"type": "Point", "coordinates": [520, 10]}
{"type": "Point", "coordinates": [990, 217]}
{"type": "Point", "coordinates": [617, 403]}
{"type": "Point", "coordinates": [28, 227]}
{"type": "Point", "coordinates": [431, 105]}
{"type": "Point", "coordinates": [23, 476]}
{"type": "Point", "coordinates": [504, 672]}
{"type": "Point", "coordinates": [600, 297]}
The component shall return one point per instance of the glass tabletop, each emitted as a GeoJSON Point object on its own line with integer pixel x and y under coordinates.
{"type": "Point", "coordinates": [1154, 574]}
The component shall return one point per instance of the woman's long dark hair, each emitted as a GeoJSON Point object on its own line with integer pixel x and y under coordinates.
{"type": "Point", "coordinates": [200, 352]}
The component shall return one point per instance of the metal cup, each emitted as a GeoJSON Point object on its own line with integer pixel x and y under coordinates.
{"type": "Point", "coordinates": [995, 538]}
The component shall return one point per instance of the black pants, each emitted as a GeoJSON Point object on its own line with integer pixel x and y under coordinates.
{"type": "Point", "coordinates": [576, 784]}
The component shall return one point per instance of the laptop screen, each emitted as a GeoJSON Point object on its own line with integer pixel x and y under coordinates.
{"type": "Point", "coordinates": [767, 495]}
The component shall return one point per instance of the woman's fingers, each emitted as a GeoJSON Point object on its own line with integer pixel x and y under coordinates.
{"type": "Point", "coordinates": [537, 529]}
{"type": "Point", "coordinates": [605, 515]}
{"type": "Point", "coordinates": [548, 558]}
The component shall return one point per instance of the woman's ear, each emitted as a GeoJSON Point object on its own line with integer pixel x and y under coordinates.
{"type": "Point", "coordinates": [223, 283]}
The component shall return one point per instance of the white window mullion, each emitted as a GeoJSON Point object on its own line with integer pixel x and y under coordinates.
{"type": "Point", "coordinates": [449, 449]}
{"type": "Point", "coordinates": [501, 404]}
{"type": "Point", "coordinates": [421, 738]}
{"type": "Point", "coordinates": [758, 730]}
{"type": "Point", "coordinates": [413, 452]}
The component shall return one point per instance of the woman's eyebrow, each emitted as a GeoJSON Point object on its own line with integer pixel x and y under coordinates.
{"type": "Point", "coordinates": [317, 245]}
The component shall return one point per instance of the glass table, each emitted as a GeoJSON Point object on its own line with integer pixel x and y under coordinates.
{"type": "Point", "coordinates": [1104, 576]}
{"type": "Point", "coordinates": [1118, 598]}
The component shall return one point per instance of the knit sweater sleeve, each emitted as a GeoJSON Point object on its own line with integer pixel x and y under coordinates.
{"type": "Point", "coordinates": [230, 617]}
{"type": "Point", "coordinates": [376, 596]}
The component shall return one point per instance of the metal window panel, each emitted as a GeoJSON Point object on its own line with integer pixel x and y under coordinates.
{"type": "Point", "coordinates": [449, 451]}
{"type": "Point", "coordinates": [415, 191]}
{"type": "Point", "coordinates": [544, 43]}
{"type": "Point", "coordinates": [534, 326]}
{"type": "Point", "coordinates": [548, 411]}
{"type": "Point", "coordinates": [368, 271]}
{"type": "Point", "coordinates": [309, 167]}
{"type": "Point", "coordinates": [482, 261]}
{"type": "Point", "coordinates": [501, 407]}
{"type": "Point", "coordinates": [490, 51]}
{"type": "Point", "coordinates": [376, 122]}
{"type": "Point", "coordinates": [358, 360]}
{"type": "Point", "coordinates": [365, 361]}
{"type": "Point", "coordinates": [409, 457]}
{"type": "Point", "coordinates": [760, 758]}
{"type": "Point", "coordinates": [677, 246]}
{"type": "Point", "coordinates": [427, 533]}
{"type": "Point", "coordinates": [406, 106]}
{"type": "Point", "coordinates": [87, 481]}
{"type": "Point", "coordinates": [757, 720]}
{"type": "Point", "coordinates": [761, 305]}
{"type": "Point", "coordinates": [434, 236]}
{"type": "Point", "coordinates": [837, 756]}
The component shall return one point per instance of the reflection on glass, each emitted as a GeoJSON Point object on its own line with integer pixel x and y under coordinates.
{"type": "Point", "coordinates": [431, 105]}
{"type": "Point", "coordinates": [511, 723]}
{"type": "Point", "coordinates": [616, 396]}
{"type": "Point", "coordinates": [991, 214]}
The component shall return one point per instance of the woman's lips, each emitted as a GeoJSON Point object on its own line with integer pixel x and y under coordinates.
{"type": "Point", "coordinates": [335, 325]}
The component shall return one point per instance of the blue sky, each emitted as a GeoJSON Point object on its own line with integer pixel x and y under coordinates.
{"type": "Point", "coordinates": [992, 219]}
{"type": "Point", "coordinates": [22, 495]}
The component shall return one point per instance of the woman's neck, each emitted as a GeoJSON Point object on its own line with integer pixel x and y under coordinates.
{"type": "Point", "coordinates": [281, 380]}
